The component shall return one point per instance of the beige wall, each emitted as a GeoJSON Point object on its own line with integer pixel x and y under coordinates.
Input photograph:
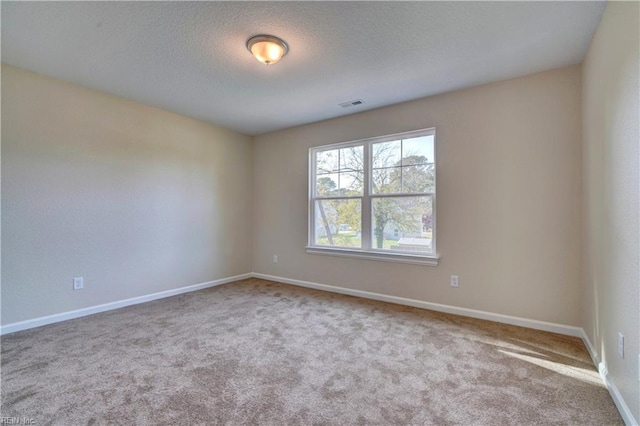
{"type": "Point", "coordinates": [611, 195]}
{"type": "Point", "coordinates": [134, 199]}
{"type": "Point", "coordinates": [509, 199]}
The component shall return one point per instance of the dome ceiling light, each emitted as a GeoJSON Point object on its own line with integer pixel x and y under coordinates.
{"type": "Point", "coordinates": [267, 49]}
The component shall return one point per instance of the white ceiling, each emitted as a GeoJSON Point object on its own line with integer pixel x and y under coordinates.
{"type": "Point", "coordinates": [190, 57]}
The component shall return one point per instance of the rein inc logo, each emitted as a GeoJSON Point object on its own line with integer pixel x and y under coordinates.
{"type": "Point", "coordinates": [17, 421]}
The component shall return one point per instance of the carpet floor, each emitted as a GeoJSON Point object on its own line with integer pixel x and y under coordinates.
{"type": "Point", "coordinates": [259, 352]}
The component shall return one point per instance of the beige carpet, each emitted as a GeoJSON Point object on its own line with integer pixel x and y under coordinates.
{"type": "Point", "coordinates": [258, 352]}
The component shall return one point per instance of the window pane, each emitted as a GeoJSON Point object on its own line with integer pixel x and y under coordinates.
{"type": "Point", "coordinates": [340, 171]}
{"type": "Point", "coordinates": [352, 158]}
{"type": "Point", "coordinates": [418, 151]}
{"type": "Point", "coordinates": [327, 184]}
{"type": "Point", "coordinates": [327, 161]}
{"type": "Point", "coordinates": [386, 154]}
{"type": "Point", "coordinates": [386, 181]}
{"type": "Point", "coordinates": [419, 178]}
{"type": "Point", "coordinates": [351, 182]}
{"type": "Point", "coordinates": [402, 224]}
{"type": "Point", "coordinates": [337, 223]}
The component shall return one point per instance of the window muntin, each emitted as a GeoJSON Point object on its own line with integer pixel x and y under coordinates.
{"type": "Point", "coordinates": [403, 166]}
{"type": "Point", "coordinates": [375, 195]}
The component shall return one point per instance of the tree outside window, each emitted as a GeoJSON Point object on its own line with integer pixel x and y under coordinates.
{"type": "Point", "coordinates": [386, 184]}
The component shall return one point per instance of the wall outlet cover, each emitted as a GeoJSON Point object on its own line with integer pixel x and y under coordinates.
{"type": "Point", "coordinates": [621, 345]}
{"type": "Point", "coordinates": [454, 281]}
{"type": "Point", "coordinates": [78, 283]}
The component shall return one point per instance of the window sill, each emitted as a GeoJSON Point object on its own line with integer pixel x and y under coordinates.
{"type": "Point", "coordinates": [414, 259]}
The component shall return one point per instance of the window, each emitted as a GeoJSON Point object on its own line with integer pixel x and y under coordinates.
{"type": "Point", "coordinates": [375, 198]}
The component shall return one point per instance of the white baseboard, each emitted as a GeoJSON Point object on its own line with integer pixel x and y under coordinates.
{"type": "Point", "coordinates": [64, 316]}
{"type": "Point", "coordinates": [505, 319]}
{"type": "Point", "coordinates": [592, 350]}
{"type": "Point", "coordinates": [617, 397]}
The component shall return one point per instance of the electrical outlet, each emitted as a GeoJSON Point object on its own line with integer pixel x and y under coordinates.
{"type": "Point", "coordinates": [454, 281]}
{"type": "Point", "coordinates": [275, 258]}
{"type": "Point", "coordinates": [621, 345]}
{"type": "Point", "coordinates": [78, 283]}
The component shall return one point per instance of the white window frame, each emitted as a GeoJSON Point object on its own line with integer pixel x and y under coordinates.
{"type": "Point", "coordinates": [367, 251]}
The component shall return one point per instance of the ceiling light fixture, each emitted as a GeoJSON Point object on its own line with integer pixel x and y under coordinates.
{"type": "Point", "coordinates": [267, 49]}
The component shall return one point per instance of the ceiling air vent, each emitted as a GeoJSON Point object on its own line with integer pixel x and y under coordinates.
{"type": "Point", "coordinates": [351, 103]}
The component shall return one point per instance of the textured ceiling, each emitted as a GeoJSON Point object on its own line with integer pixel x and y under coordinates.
{"type": "Point", "coordinates": [190, 57]}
